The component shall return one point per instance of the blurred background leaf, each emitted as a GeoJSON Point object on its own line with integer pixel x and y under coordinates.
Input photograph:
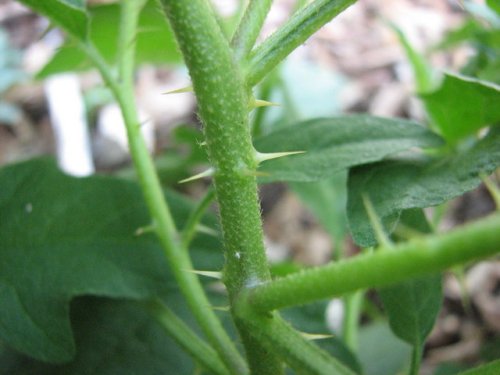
{"type": "Point", "coordinates": [80, 241]}
{"type": "Point", "coordinates": [415, 182]}
{"type": "Point", "coordinates": [155, 42]}
{"type": "Point", "coordinates": [70, 15]}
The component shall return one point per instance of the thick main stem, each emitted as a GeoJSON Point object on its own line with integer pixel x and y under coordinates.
{"type": "Point", "coordinates": [223, 107]}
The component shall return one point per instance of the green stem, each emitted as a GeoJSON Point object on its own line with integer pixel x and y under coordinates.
{"type": "Point", "coordinates": [223, 107]}
{"type": "Point", "coordinates": [129, 18]}
{"type": "Point", "coordinates": [186, 338]}
{"type": "Point", "coordinates": [416, 358]}
{"type": "Point", "coordinates": [249, 27]}
{"type": "Point", "coordinates": [299, 353]}
{"type": "Point", "coordinates": [353, 304]}
{"type": "Point", "coordinates": [417, 257]}
{"type": "Point", "coordinates": [166, 231]}
{"type": "Point", "coordinates": [296, 31]}
{"type": "Point", "coordinates": [195, 217]}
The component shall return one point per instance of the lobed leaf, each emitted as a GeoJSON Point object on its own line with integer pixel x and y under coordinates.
{"type": "Point", "coordinates": [462, 105]}
{"type": "Point", "coordinates": [400, 184]}
{"type": "Point", "coordinates": [70, 15]}
{"type": "Point", "coordinates": [63, 237]}
{"type": "Point", "coordinates": [337, 143]}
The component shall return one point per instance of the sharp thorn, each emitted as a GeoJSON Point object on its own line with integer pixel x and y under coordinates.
{"type": "Point", "coordinates": [261, 156]}
{"type": "Point", "coordinates": [221, 308]}
{"type": "Point", "coordinates": [147, 229]}
{"type": "Point", "coordinates": [263, 103]}
{"type": "Point", "coordinates": [207, 230]}
{"type": "Point", "coordinates": [179, 91]}
{"type": "Point", "coordinates": [255, 103]}
{"type": "Point", "coordinates": [209, 172]}
{"type": "Point", "coordinates": [212, 274]}
{"type": "Point", "coordinates": [315, 336]}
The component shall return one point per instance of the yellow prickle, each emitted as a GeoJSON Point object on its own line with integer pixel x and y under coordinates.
{"type": "Point", "coordinates": [209, 172]}
{"type": "Point", "coordinates": [179, 91]}
{"type": "Point", "coordinates": [212, 274]}
{"type": "Point", "coordinates": [256, 103]}
{"type": "Point", "coordinates": [147, 229]}
{"type": "Point", "coordinates": [315, 336]}
{"type": "Point", "coordinates": [260, 156]}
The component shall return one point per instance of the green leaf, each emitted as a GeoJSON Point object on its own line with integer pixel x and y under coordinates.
{"type": "Point", "coordinates": [396, 185]}
{"type": "Point", "coordinates": [112, 337]}
{"type": "Point", "coordinates": [461, 106]}
{"type": "Point", "coordinates": [327, 200]}
{"type": "Point", "coordinates": [494, 5]}
{"type": "Point", "coordinates": [78, 4]}
{"type": "Point", "coordinates": [155, 42]}
{"type": "Point", "coordinates": [413, 305]}
{"type": "Point", "coordinates": [334, 144]}
{"type": "Point", "coordinates": [380, 353]}
{"type": "Point", "coordinates": [63, 237]}
{"type": "Point", "coordinates": [70, 15]}
{"type": "Point", "coordinates": [492, 368]}
{"type": "Point", "coordinates": [449, 368]}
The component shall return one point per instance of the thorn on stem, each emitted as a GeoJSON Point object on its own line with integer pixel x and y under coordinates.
{"type": "Point", "coordinates": [179, 91]}
{"type": "Point", "coordinates": [212, 274]}
{"type": "Point", "coordinates": [315, 336]}
{"type": "Point", "coordinates": [207, 230]}
{"type": "Point", "coordinates": [209, 172]}
{"type": "Point", "coordinates": [262, 156]}
{"type": "Point", "coordinates": [221, 308]}
{"type": "Point", "coordinates": [143, 230]}
{"type": "Point", "coordinates": [256, 103]}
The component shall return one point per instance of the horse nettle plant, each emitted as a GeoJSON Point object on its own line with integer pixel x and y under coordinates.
{"type": "Point", "coordinates": [110, 262]}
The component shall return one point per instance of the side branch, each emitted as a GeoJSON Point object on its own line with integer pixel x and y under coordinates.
{"type": "Point", "coordinates": [296, 31]}
{"type": "Point", "coordinates": [386, 266]}
{"type": "Point", "coordinates": [250, 25]}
